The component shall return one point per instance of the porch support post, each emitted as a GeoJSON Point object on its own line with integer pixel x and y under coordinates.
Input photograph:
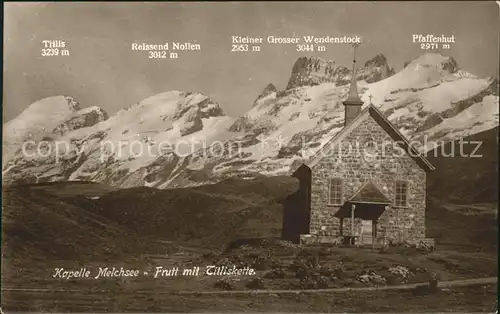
{"type": "Point", "coordinates": [353, 207]}
{"type": "Point", "coordinates": [386, 224]}
{"type": "Point", "coordinates": [374, 225]}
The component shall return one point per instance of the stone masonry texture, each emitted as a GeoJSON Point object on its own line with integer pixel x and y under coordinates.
{"type": "Point", "coordinates": [383, 164]}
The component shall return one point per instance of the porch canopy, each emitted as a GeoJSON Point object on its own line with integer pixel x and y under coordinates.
{"type": "Point", "coordinates": [369, 203]}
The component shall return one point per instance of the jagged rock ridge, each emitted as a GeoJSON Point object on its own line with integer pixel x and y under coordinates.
{"type": "Point", "coordinates": [86, 117]}
{"type": "Point", "coordinates": [314, 71]}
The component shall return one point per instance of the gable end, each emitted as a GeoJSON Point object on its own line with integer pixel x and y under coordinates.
{"type": "Point", "coordinates": [386, 125]}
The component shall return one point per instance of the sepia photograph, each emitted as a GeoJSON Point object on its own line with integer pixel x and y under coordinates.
{"type": "Point", "coordinates": [302, 156]}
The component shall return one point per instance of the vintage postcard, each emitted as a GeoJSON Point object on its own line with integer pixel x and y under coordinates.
{"type": "Point", "coordinates": [250, 157]}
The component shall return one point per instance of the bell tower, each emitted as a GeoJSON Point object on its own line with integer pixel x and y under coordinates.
{"type": "Point", "coordinates": [353, 103]}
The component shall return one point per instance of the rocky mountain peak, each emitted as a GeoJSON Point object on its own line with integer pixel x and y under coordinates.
{"type": "Point", "coordinates": [377, 61]}
{"type": "Point", "coordinates": [174, 104]}
{"type": "Point", "coordinates": [192, 109]}
{"type": "Point", "coordinates": [39, 117]}
{"type": "Point", "coordinates": [185, 109]}
{"type": "Point", "coordinates": [270, 88]}
{"type": "Point", "coordinates": [72, 103]}
{"type": "Point", "coordinates": [81, 119]}
{"type": "Point", "coordinates": [198, 105]}
{"type": "Point", "coordinates": [435, 60]}
{"type": "Point", "coordinates": [310, 71]}
{"type": "Point", "coordinates": [450, 65]}
{"type": "Point", "coordinates": [376, 69]}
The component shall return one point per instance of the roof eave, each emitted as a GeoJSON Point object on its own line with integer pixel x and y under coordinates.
{"type": "Point", "coordinates": [312, 160]}
{"type": "Point", "coordinates": [429, 166]}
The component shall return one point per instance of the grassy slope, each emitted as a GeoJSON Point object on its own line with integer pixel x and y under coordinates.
{"type": "Point", "coordinates": [41, 231]}
{"type": "Point", "coordinates": [39, 224]}
{"type": "Point", "coordinates": [462, 231]}
{"type": "Point", "coordinates": [208, 216]}
{"type": "Point", "coordinates": [463, 179]}
{"type": "Point", "coordinates": [49, 222]}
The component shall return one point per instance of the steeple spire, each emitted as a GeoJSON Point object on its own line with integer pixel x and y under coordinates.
{"type": "Point", "coordinates": [353, 103]}
{"type": "Point", "coordinates": [353, 90]}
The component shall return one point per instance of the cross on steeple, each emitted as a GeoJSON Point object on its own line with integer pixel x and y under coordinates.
{"type": "Point", "coordinates": [370, 98]}
{"type": "Point", "coordinates": [354, 46]}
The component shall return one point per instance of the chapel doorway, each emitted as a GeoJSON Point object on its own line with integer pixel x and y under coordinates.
{"type": "Point", "coordinates": [366, 232]}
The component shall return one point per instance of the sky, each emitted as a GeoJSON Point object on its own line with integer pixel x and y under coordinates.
{"type": "Point", "coordinates": [102, 69]}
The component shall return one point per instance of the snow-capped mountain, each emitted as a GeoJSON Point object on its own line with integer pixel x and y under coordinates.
{"type": "Point", "coordinates": [40, 117]}
{"type": "Point", "coordinates": [179, 139]}
{"type": "Point", "coordinates": [86, 145]}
